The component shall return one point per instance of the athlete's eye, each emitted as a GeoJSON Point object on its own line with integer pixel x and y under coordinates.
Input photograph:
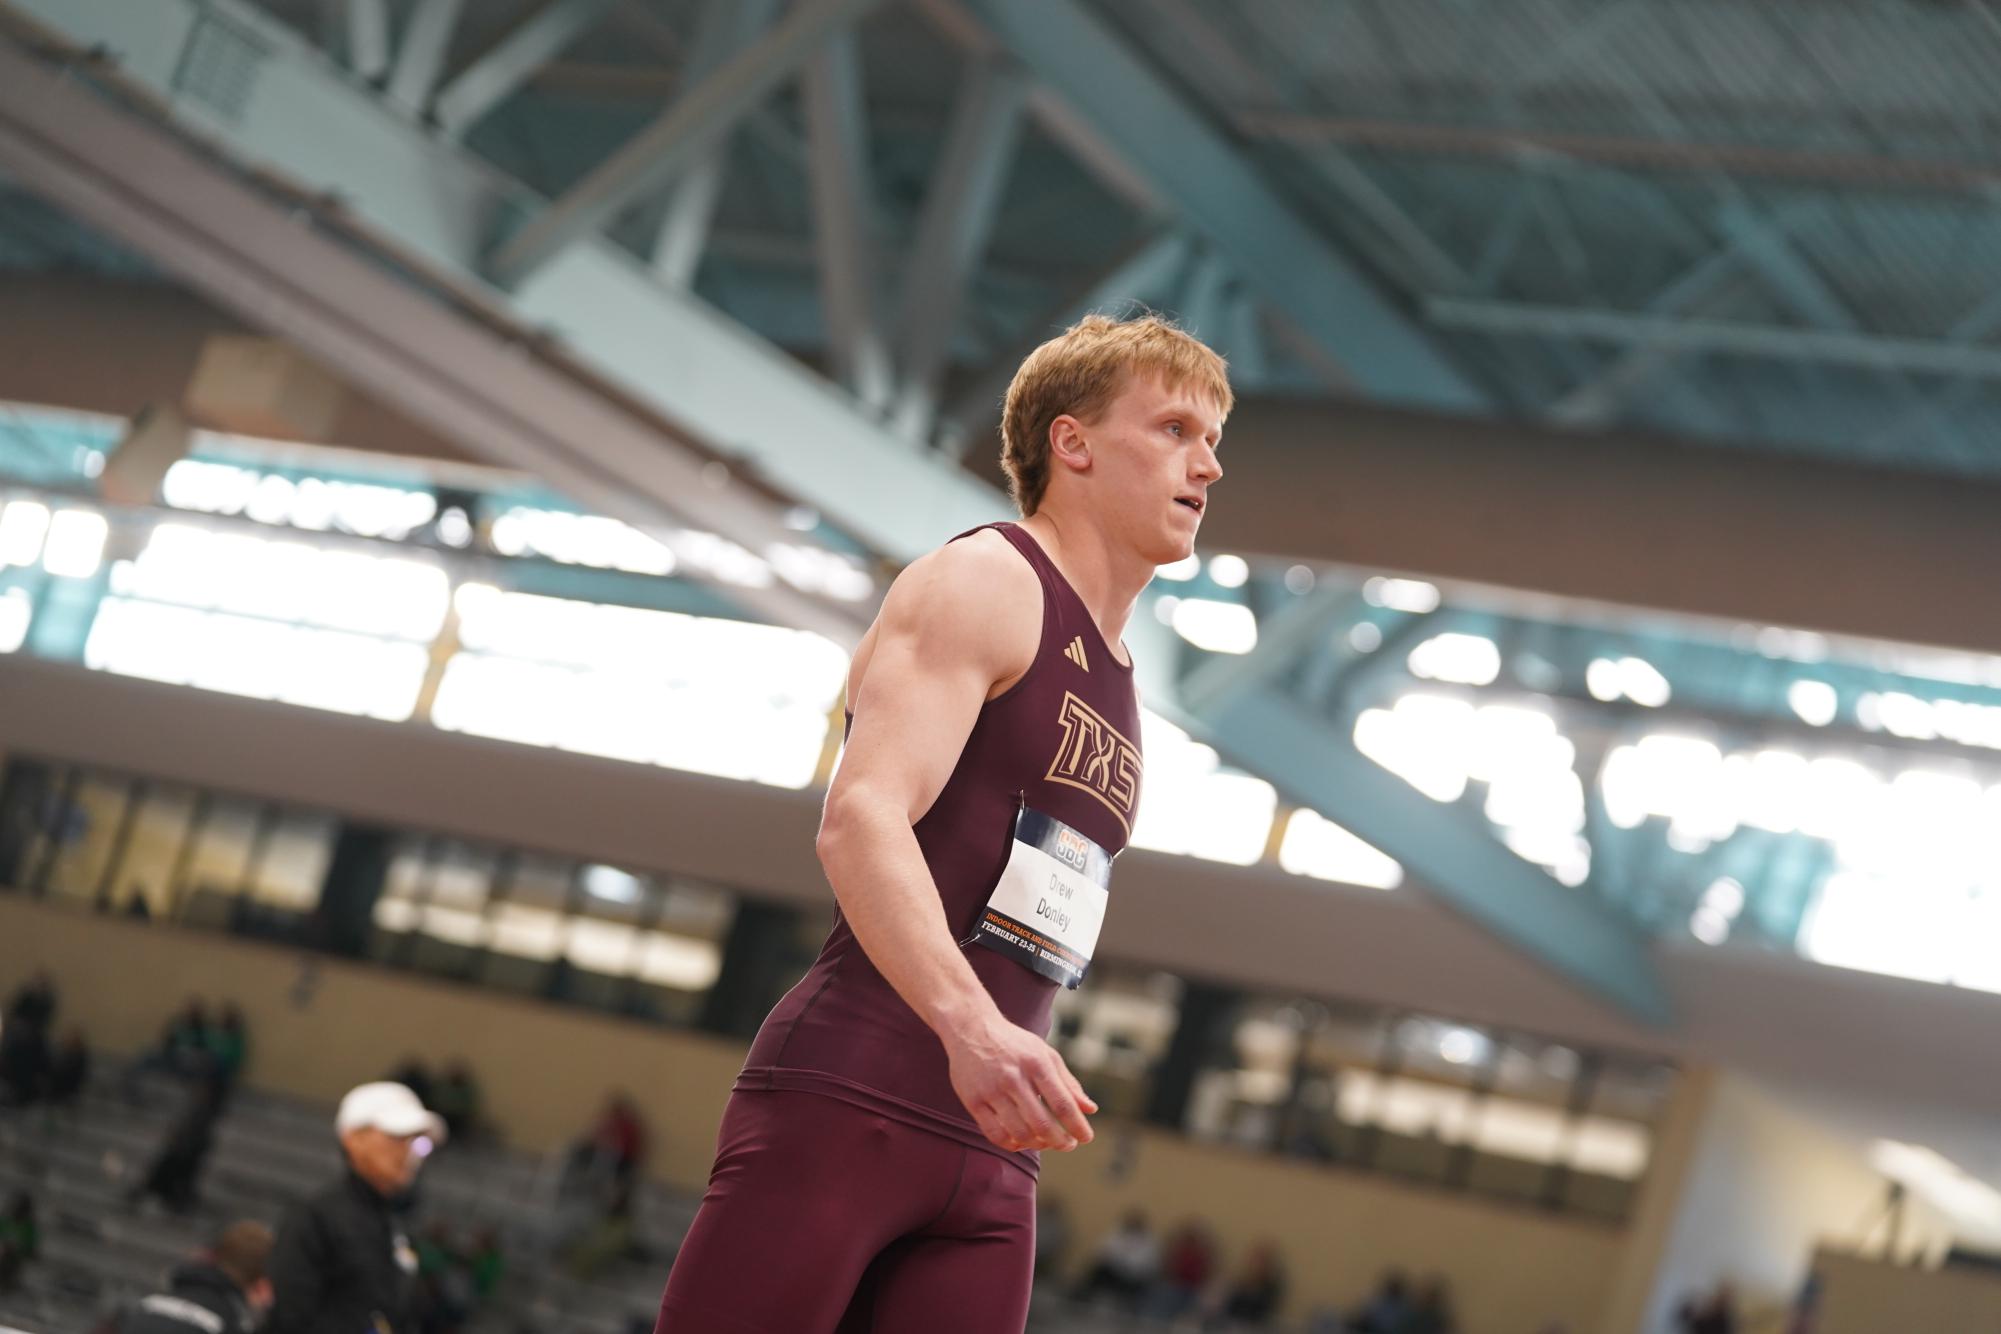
{"type": "Point", "coordinates": [1174, 427]}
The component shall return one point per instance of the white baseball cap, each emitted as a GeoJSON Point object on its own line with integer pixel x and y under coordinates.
{"type": "Point", "coordinates": [391, 1108]}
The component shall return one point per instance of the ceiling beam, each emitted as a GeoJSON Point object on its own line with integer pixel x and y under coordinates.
{"type": "Point", "coordinates": [368, 37]}
{"type": "Point", "coordinates": [478, 382]}
{"type": "Point", "coordinates": [1521, 145]}
{"type": "Point", "coordinates": [510, 62]}
{"type": "Point", "coordinates": [683, 135]}
{"type": "Point", "coordinates": [427, 40]}
{"type": "Point", "coordinates": [960, 208]}
{"type": "Point", "coordinates": [1776, 342]}
{"type": "Point", "coordinates": [1206, 178]}
{"type": "Point", "coordinates": [845, 221]}
{"type": "Point", "coordinates": [726, 28]}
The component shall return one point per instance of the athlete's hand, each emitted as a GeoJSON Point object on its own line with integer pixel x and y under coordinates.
{"type": "Point", "coordinates": [1017, 1088]}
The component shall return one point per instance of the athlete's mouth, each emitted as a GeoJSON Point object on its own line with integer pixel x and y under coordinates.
{"type": "Point", "coordinates": [1192, 502]}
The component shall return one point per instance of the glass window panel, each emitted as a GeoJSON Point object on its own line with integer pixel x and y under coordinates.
{"type": "Point", "coordinates": [17, 613]}
{"type": "Point", "coordinates": [595, 946]}
{"type": "Point", "coordinates": [454, 926]}
{"type": "Point", "coordinates": [691, 909]}
{"type": "Point", "coordinates": [463, 876]}
{"type": "Point", "coordinates": [1510, 1128]}
{"type": "Point", "coordinates": [159, 830]}
{"type": "Point", "coordinates": [678, 962]}
{"type": "Point", "coordinates": [294, 864]}
{"type": "Point", "coordinates": [611, 891]}
{"type": "Point", "coordinates": [524, 931]}
{"type": "Point", "coordinates": [1537, 1071]}
{"type": "Point", "coordinates": [219, 864]}
{"type": "Point", "coordinates": [84, 829]}
{"type": "Point", "coordinates": [541, 882]}
{"type": "Point", "coordinates": [1441, 1050]}
{"type": "Point", "coordinates": [409, 868]}
{"type": "Point", "coordinates": [1348, 1038]}
{"type": "Point", "coordinates": [1633, 1091]}
{"type": "Point", "coordinates": [398, 915]}
{"type": "Point", "coordinates": [1610, 1148]}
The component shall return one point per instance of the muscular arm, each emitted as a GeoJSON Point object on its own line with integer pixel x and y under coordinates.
{"type": "Point", "coordinates": [955, 624]}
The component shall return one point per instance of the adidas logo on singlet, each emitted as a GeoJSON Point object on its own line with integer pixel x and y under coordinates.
{"type": "Point", "coordinates": [1076, 653]}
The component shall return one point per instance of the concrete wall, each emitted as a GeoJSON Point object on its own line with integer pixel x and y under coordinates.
{"type": "Point", "coordinates": [1764, 1186]}
{"type": "Point", "coordinates": [1861, 1296]}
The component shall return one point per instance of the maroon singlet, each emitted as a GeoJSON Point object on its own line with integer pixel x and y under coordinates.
{"type": "Point", "coordinates": [1065, 739]}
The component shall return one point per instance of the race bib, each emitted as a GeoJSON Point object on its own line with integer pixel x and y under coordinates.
{"type": "Point", "coordinates": [1046, 911]}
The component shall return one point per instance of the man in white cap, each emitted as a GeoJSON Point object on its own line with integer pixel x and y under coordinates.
{"type": "Point", "coordinates": [342, 1264]}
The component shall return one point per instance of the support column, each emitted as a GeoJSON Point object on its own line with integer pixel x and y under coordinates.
{"type": "Point", "coordinates": [1202, 1035]}
{"type": "Point", "coordinates": [756, 962]}
{"type": "Point", "coordinates": [354, 878]}
{"type": "Point", "coordinates": [25, 790]}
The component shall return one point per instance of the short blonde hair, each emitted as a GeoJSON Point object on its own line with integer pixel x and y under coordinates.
{"type": "Point", "coordinates": [1080, 371]}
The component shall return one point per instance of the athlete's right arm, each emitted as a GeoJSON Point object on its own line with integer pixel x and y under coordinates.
{"type": "Point", "coordinates": [955, 624]}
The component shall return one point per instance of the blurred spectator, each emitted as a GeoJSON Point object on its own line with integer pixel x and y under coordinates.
{"type": "Point", "coordinates": [444, 1299]}
{"type": "Point", "coordinates": [1715, 1314]}
{"type": "Point", "coordinates": [1431, 1310]}
{"type": "Point", "coordinates": [34, 1003]}
{"type": "Point", "coordinates": [228, 1044]}
{"type": "Point", "coordinates": [25, 1059]}
{"type": "Point", "coordinates": [608, 1239]}
{"type": "Point", "coordinates": [1256, 1293]}
{"type": "Point", "coordinates": [224, 1292]}
{"type": "Point", "coordinates": [1184, 1274]}
{"type": "Point", "coordinates": [1387, 1311]}
{"type": "Point", "coordinates": [457, 1100]}
{"type": "Point", "coordinates": [20, 1239]}
{"type": "Point", "coordinates": [1126, 1263]}
{"type": "Point", "coordinates": [175, 1173]}
{"type": "Point", "coordinates": [1052, 1234]}
{"type": "Point", "coordinates": [488, 1263]}
{"type": "Point", "coordinates": [414, 1075]}
{"type": "Point", "coordinates": [341, 1265]}
{"type": "Point", "coordinates": [620, 1136]}
{"type": "Point", "coordinates": [185, 1041]}
{"type": "Point", "coordinates": [69, 1072]}
{"type": "Point", "coordinates": [183, 1051]}
{"type": "Point", "coordinates": [453, 1280]}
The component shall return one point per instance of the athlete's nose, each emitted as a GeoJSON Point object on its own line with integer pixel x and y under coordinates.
{"type": "Point", "coordinates": [1208, 468]}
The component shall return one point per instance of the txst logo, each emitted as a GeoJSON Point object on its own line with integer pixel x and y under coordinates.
{"type": "Point", "coordinates": [1096, 757]}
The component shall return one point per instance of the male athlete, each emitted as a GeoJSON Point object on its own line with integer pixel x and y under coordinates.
{"type": "Point", "coordinates": [876, 1166]}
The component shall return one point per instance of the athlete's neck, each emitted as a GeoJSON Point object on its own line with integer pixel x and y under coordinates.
{"type": "Point", "coordinates": [1106, 576]}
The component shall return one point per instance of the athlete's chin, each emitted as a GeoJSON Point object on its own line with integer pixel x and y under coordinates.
{"type": "Point", "coordinates": [1175, 545]}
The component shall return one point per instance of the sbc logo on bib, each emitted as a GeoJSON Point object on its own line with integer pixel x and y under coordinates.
{"type": "Point", "coordinates": [1072, 847]}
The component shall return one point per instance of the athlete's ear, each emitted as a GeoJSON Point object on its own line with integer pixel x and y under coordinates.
{"type": "Point", "coordinates": [1067, 445]}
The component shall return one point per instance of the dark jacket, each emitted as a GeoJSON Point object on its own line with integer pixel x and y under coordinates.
{"type": "Point", "coordinates": [200, 1299]}
{"type": "Point", "coordinates": [341, 1265]}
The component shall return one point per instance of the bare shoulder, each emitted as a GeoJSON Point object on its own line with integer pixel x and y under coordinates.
{"type": "Point", "coordinates": [972, 599]}
{"type": "Point", "coordinates": [985, 564]}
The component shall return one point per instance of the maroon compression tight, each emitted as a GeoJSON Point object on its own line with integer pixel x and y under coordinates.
{"type": "Point", "coordinates": [822, 1217]}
